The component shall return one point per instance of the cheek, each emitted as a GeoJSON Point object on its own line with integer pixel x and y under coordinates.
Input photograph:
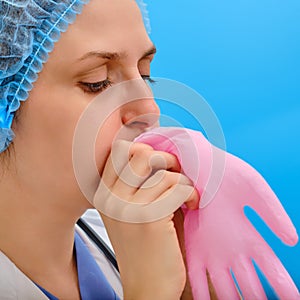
{"type": "Point", "coordinates": [105, 137]}
{"type": "Point", "coordinates": [47, 130]}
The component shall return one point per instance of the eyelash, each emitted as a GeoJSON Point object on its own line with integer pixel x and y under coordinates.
{"type": "Point", "coordinates": [98, 87]}
{"type": "Point", "coordinates": [95, 87]}
{"type": "Point", "coordinates": [148, 78]}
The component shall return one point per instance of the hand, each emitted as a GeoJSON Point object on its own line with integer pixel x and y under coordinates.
{"type": "Point", "coordinates": [219, 237]}
{"type": "Point", "coordinates": [148, 254]}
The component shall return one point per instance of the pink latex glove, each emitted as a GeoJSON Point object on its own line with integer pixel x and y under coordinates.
{"type": "Point", "coordinates": [219, 237]}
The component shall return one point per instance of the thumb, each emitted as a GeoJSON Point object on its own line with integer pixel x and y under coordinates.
{"type": "Point", "coordinates": [263, 200]}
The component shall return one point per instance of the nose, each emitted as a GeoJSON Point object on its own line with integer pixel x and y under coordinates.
{"type": "Point", "coordinates": [142, 113]}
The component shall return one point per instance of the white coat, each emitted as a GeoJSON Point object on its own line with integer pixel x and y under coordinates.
{"type": "Point", "coordinates": [15, 285]}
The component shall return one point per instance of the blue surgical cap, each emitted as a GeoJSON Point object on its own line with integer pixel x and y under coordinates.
{"type": "Point", "coordinates": [28, 31]}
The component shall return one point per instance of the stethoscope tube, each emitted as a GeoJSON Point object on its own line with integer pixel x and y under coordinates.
{"type": "Point", "coordinates": [99, 242]}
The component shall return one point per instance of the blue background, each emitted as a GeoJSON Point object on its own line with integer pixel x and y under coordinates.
{"type": "Point", "coordinates": [243, 57]}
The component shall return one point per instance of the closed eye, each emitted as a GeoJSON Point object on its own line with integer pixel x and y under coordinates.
{"type": "Point", "coordinates": [100, 86]}
{"type": "Point", "coordinates": [95, 87]}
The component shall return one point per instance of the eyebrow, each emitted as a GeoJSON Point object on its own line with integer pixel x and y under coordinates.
{"type": "Point", "coordinates": [114, 55]}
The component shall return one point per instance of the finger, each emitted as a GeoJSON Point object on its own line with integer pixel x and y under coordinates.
{"type": "Point", "coordinates": [170, 159]}
{"type": "Point", "coordinates": [212, 291]}
{"type": "Point", "coordinates": [140, 167]}
{"type": "Point", "coordinates": [160, 182]}
{"type": "Point", "coordinates": [264, 201]}
{"type": "Point", "coordinates": [223, 283]}
{"type": "Point", "coordinates": [276, 274]}
{"type": "Point", "coordinates": [117, 160]}
{"type": "Point", "coordinates": [136, 211]}
{"type": "Point", "coordinates": [166, 204]}
{"type": "Point", "coordinates": [247, 279]}
{"type": "Point", "coordinates": [198, 280]}
{"type": "Point", "coordinates": [145, 160]}
{"type": "Point", "coordinates": [180, 194]}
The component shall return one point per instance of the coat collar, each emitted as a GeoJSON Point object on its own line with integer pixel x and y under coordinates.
{"type": "Point", "coordinates": [14, 284]}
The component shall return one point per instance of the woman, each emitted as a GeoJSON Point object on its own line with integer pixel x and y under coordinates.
{"type": "Point", "coordinates": [41, 201]}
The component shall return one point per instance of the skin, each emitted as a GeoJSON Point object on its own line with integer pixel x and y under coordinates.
{"type": "Point", "coordinates": [39, 188]}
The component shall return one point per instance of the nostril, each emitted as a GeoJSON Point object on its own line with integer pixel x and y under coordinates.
{"type": "Point", "coordinates": [140, 114]}
{"type": "Point", "coordinates": [132, 118]}
{"type": "Point", "coordinates": [135, 126]}
{"type": "Point", "coordinates": [142, 125]}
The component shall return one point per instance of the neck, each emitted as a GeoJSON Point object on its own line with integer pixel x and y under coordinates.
{"type": "Point", "coordinates": [36, 233]}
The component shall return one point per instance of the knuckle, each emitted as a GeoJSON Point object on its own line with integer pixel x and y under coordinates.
{"type": "Point", "coordinates": [140, 163]}
{"type": "Point", "coordinates": [177, 178]}
{"type": "Point", "coordinates": [184, 190]}
{"type": "Point", "coordinates": [160, 177]}
{"type": "Point", "coordinates": [161, 173]}
{"type": "Point", "coordinates": [170, 178]}
{"type": "Point", "coordinates": [140, 147]}
{"type": "Point", "coordinates": [119, 145]}
{"type": "Point", "coordinates": [185, 180]}
{"type": "Point", "coordinates": [142, 155]}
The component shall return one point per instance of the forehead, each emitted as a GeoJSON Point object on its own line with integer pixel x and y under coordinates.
{"type": "Point", "coordinates": [114, 25]}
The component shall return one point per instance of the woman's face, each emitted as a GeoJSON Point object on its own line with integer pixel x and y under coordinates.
{"type": "Point", "coordinates": [105, 46]}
